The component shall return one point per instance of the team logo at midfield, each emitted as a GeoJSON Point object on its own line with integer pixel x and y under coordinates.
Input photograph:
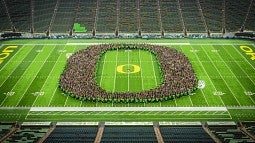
{"type": "Point", "coordinates": [128, 69]}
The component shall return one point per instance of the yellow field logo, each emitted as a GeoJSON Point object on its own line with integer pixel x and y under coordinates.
{"type": "Point", "coordinates": [128, 69]}
{"type": "Point", "coordinates": [248, 50]}
{"type": "Point", "coordinates": [6, 53]}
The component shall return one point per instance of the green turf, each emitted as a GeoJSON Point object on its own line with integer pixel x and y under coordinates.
{"type": "Point", "coordinates": [29, 78]}
{"type": "Point", "coordinates": [128, 71]}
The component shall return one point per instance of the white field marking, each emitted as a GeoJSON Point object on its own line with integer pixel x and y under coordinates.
{"type": "Point", "coordinates": [221, 76]}
{"type": "Point", "coordinates": [128, 73]}
{"type": "Point", "coordinates": [115, 73]}
{"type": "Point", "coordinates": [154, 74]}
{"type": "Point", "coordinates": [101, 109]}
{"type": "Point", "coordinates": [14, 56]}
{"type": "Point", "coordinates": [15, 67]}
{"type": "Point", "coordinates": [57, 87]}
{"type": "Point", "coordinates": [141, 69]}
{"type": "Point", "coordinates": [38, 70]}
{"type": "Point", "coordinates": [189, 96]}
{"type": "Point", "coordinates": [243, 57]}
{"type": "Point", "coordinates": [102, 71]}
{"type": "Point", "coordinates": [243, 72]}
{"type": "Point", "coordinates": [208, 77]}
{"type": "Point", "coordinates": [18, 80]}
{"type": "Point", "coordinates": [48, 76]}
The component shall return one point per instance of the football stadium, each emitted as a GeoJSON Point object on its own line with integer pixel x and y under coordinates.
{"type": "Point", "coordinates": [127, 71]}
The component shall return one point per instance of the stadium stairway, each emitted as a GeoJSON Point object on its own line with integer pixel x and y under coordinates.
{"type": "Point", "coordinates": [213, 136]}
{"type": "Point", "coordinates": [53, 126]}
{"type": "Point", "coordinates": [157, 132]}
{"type": "Point", "coordinates": [10, 133]}
{"type": "Point", "coordinates": [243, 129]}
{"type": "Point", "coordinates": [100, 131]}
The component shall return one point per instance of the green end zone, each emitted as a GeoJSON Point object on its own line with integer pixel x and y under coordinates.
{"type": "Point", "coordinates": [128, 71]}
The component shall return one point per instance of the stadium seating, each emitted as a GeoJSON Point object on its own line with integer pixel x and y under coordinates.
{"type": "Point", "coordinates": [250, 127]}
{"type": "Point", "coordinates": [228, 133]}
{"type": "Point", "coordinates": [107, 17]}
{"type": "Point", "coordinates": [20, 14]}
{"type": "Point", "coordinates": [5, 24]}
{"type": "Point", "coordinates": [86, 14]}
{"type": "Point", "coordinates": [27, 134]}
{"type": "Point", "coordinates": [149, 16]}
{"type": "Point", "coordinates": [212, 11]}
{"type": "Point", "coordinates": [192, 16]}
{"type": "Point", "coordinates": [64, 19]}
{"type": "Point", "coordinates": [76, 134]}
{"type": "Point", "coordinates": [4, 129]}
{"type": "Point", "coordinates": [43, 12]}
{"type": "Point", "coordinates": [128, 18]}
{"type": "Point", "coordinates": [235, 14]}
{"type": "Point", "coordinates": [128, 134]}
{"type": "Point", "coordinates": [171, 20]}
{"type": "Point", "coordinates": [184, 134]}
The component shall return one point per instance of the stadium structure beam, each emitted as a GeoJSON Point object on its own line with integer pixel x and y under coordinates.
{"type": "Point", "coordinates": [224, 17]}
{"type": "Point", "coordinates": [32, 15]}
{"type": "Point", "coordinates": [160, 20]}
{"type": "Point", "coordinates": [246, 17]}
{"type": "Point", "coordinates": [52, 18]}
{"type": "Point", "coordinates": [203, 18]}
{"type": "Point", "coordinates": [95, 22]}
{"type": "Point", "coordinates": [180, 14]}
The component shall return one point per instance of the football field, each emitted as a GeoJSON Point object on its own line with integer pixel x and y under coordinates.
{"type": "Point", "coordinates": [128, 71]}
{"type": "Point", "coordinates": [30, 70]}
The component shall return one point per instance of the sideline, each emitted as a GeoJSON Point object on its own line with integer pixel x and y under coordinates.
{"type": "Point", "coordinates": [128, 109]}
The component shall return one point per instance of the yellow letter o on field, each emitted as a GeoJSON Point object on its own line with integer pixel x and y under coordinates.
{"type": "Point", "coordinates": [135, 70]}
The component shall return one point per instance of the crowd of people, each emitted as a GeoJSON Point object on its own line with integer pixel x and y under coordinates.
{"type": "Point", "coordinates": [78, 78]}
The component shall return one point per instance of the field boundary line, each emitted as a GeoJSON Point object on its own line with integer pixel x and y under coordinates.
{"type": "Point", "coordinates": [128, 73]}
{"type": "Point", "coordinates": [221, 76]}
{"type": "Point", "coordinates": [102, 71]}
{"type": "Point", "coordinates": [37, 109]}
{"type": "Point", "coordinates": [35, 74]}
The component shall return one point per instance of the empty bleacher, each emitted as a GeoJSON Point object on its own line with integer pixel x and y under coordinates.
{"type": "Point", "coordinates": [250, 127]}
{"type": "Point", "coordinates": [250, 22]}
{"type": "Point", "coordinates": [86, 14]}
{"type": "Point", "coordinates": [63, 22]}
{"type": "Point", "coordinates": [185, 134]}
{"type": "Point", "coordinates": [128, 134]}
{"type": "Point", "coordinates": [107, 17]}
{"type": "Point", "coordinates": [5, 24]}
{"type": "Point", "coordinates": [29, 134]}
{"type": "Point", "coordinates": [235, 14]}
{"type": "Point", "coordinates": [149, 16]}
{"type": "Point", "coordinates": [20, 14]}
{"type": "Point", "coordinates": [171, 20]}
{"type": "Point", "coordinates": [128, 18]}
{"type": "Point", "coordinates": [4, 129]}
{"type": "Point", "coordinates": [229, 133]}
{"type": "Point", "coordinates": [43, 12]}
{"type": "Point", "coordinates": [75, 134]}
{"type": "Point", "coordinates": [192, 16]}
{"type": "Point", "coordinates": [212, 11]}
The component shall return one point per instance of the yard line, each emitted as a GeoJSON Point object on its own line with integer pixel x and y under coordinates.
{"type": "Point", "coordinates": [221, 76]}
{"type": "Point", "coordinates": [207, 76]}
{"type": "Point", "coordinates": [234, 74]}
{"type": "Point", "coordinates": [19, 78]}
{"type": "Point", "coordinates": [115, 73]}
{"type": "Point", "coordinates": [47, 77]}
{"type": "Point", "coordinates": [102, 71]}
{"type": "Point", "coordinates": [154, 74]}
{"type": "Point", "coordinates": [141, 68]}
{"type": "Point", "coordinates": [57, 87]}
{"type": "Point", "coordinates": [38, 70]}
